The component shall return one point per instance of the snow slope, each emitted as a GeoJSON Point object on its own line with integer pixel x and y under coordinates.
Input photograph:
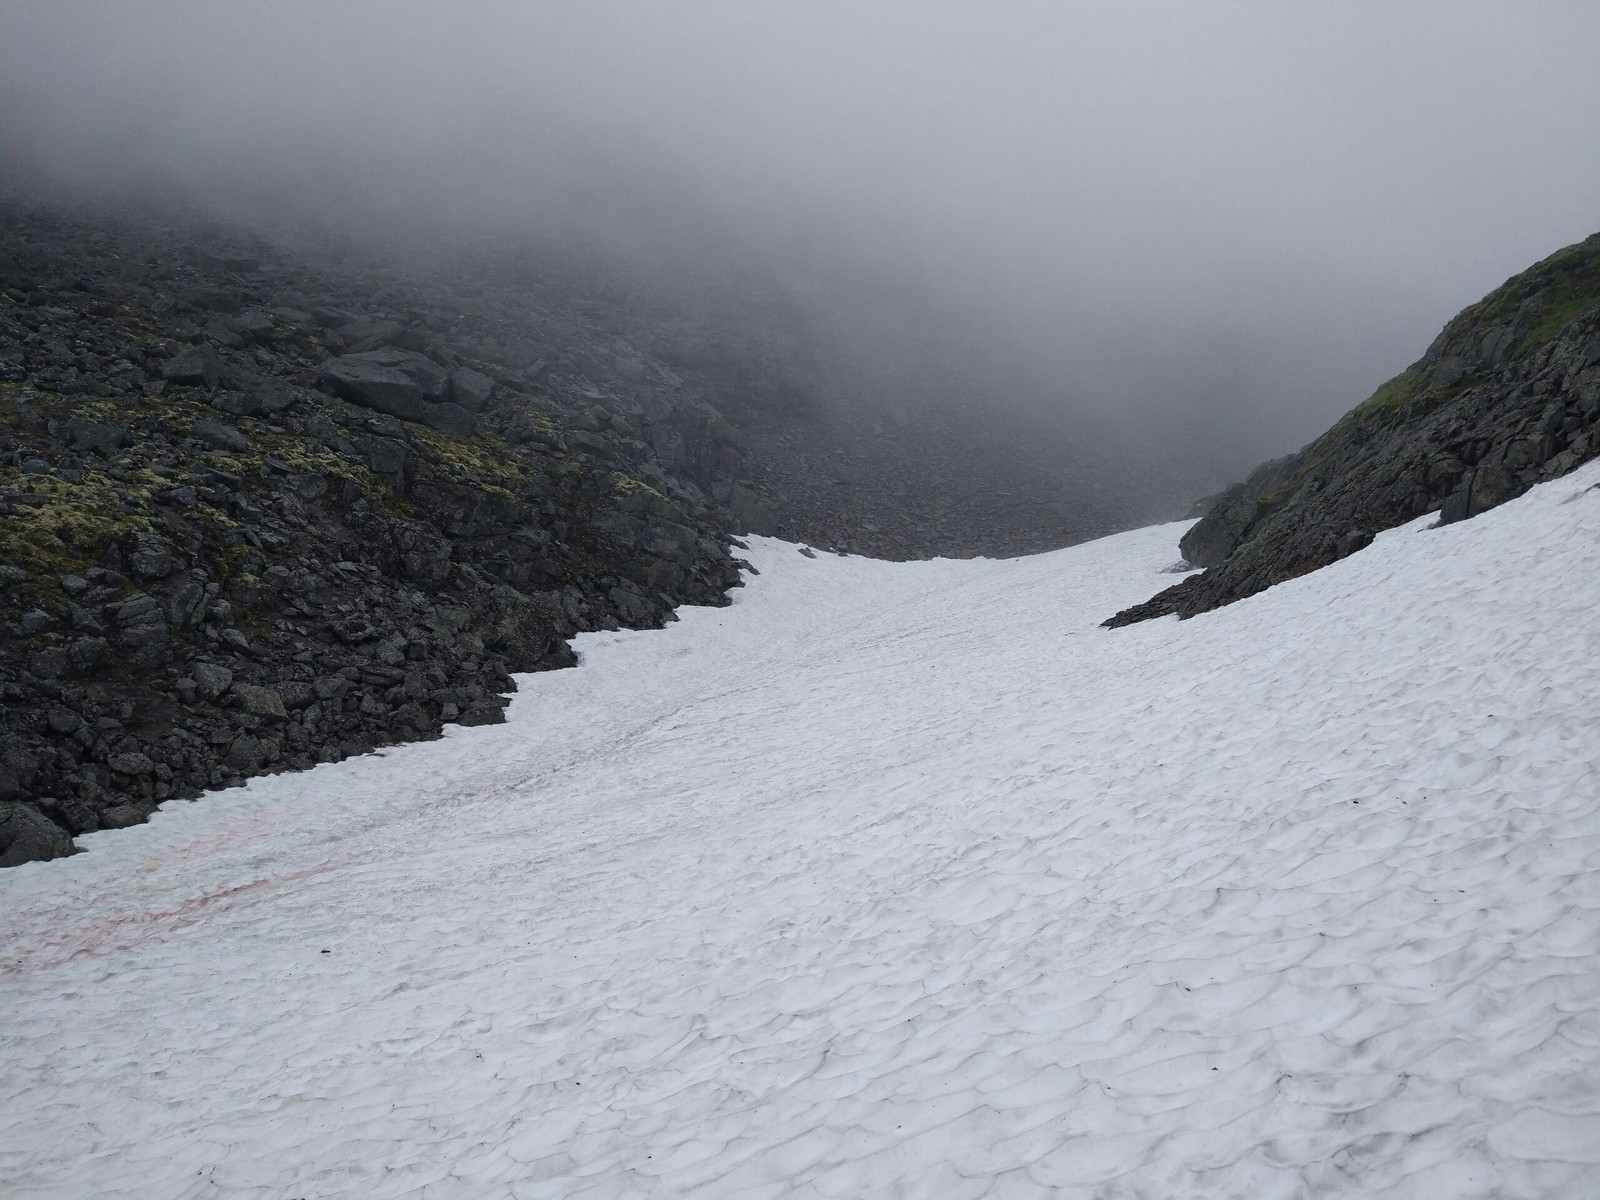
{"type": "Point", "coordinates": [892, 879]}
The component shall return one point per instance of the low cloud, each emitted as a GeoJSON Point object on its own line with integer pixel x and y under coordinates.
{"type": "Point", "coordinates": [1212, 227]}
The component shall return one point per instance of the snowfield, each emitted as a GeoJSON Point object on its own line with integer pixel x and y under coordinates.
{"type": "Point", "coordinates": [890, 880]}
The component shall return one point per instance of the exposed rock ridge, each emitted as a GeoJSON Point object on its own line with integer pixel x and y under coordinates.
{"type": "Point", "coordinates": [1508, 395]}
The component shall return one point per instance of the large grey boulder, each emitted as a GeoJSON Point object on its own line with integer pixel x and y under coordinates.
{"type": "Point", "coordinates": [470, 389]}
{"type": "Point", "coordinates": [149, 556]}
{"type": "Point", "coordinates": [96, 435]}
{"type": "Point", "coordinates": [401, 383]}
{"type": "Point", "coordinates": [211, 679]}
{"type": "Point", "coordinates": [358, 379]}
{"type": "Point", "coordinates": [263, 397]}
{"type": "Point", "coordinates": [364, 333]}
{"type": "Point", "coordinates": [27, 835]}
{"type": "Point", "coordinates": [253, 326]}
{"type": "Point", "coordinates": [259, 701]}
{"type": "Point", "coordinates": [141, 626]}
{"type": "Point", "coordinates": [198, 366]}
{"type": "Point", "coordinates": [429, 376]}
{"type": "Point", "coordinates": [221, 436]}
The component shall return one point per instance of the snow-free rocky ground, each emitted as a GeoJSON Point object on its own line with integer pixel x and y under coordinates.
{"type": "Point", "coordinates": [892, 879]}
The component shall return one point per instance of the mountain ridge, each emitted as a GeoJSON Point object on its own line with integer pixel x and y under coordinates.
{"type": "Point", "coordinates": [1506, 396]}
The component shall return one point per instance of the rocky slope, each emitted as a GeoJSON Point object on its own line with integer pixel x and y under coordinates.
{"type": "Point", "coordinates": [255, 514]}
{"type": "Point", "coordinates": [894, 442]}
{"type": "Point", "coordinates": [278, 495]}
{"type": "Point", "coordinates": [1507, 395]}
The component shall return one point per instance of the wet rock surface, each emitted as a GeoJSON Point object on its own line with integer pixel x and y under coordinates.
{"type": "Point", "coordinates": [1507, 396]}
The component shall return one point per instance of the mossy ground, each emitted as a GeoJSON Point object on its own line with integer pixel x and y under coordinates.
{"type": "Point", "coordinates": [1560, 287]}
{"type": "Point", "coordinates": [484, 459]}
{"type": "Point", "coordinates": [626, 485]}
{"type": "Point", "coordinates": [1546, 298]}
{"type": "Point", "coordinates": [1392, 394]}
{"type": "Point", "coordinates": [71, 528]}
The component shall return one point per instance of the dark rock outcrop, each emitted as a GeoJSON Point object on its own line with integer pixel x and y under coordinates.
{"type": "Point", "coordinates": [227, 550]}
{"type": "Point", "coordinates": [1508, 395]}
{"type": "Point", "coordinates": [403, 384]}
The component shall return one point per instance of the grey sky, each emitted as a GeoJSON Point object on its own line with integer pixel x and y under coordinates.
{"type": "Point", "coordinates": [1236, 217]}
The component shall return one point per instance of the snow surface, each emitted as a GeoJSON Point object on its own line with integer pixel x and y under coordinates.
{"type": "Point", "coordinates": [891, 879]}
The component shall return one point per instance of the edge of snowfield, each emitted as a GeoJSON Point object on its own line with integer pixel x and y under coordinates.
{"type": "Point", "coordinates": [892, 879]}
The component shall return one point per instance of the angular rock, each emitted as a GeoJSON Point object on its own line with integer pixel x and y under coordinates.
{"type": "Point", "coordinates": [198, 366]}
{"type": "Point", "coordinates": [431, 379]}
{"type": "Point", "coordinates": [97, 435]}
{"type": "Point", "coordinates": [131, 763]}
{"type": "Point", "coordinates": [360, 380]}
{"type": "Point", "coordinates": [141, 627]}
{"type": "Point", "coordinates": [124, 816]}
{"type": "Point", "coordinates": [211, 680]}
{"type": "Point", "coordinates": [470, 389]}
{"type": "Point", "coordinates": [253, 326]}
{"type": "Point", "coordinates": [148, 556]}
{"type": "Point", "coordinates": [362, 333]}
{"type": "Point", "coordinates": [259, 701]}
{"type": "Point", "coordinates": [27, 835]}
{"type": "Point", "coordinates": [451, 418]}
{"type": "Point", "coordinates": [221, 436]}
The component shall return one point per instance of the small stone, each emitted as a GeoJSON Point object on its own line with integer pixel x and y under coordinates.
{"type": "Point", "coordinates": [220, 436]}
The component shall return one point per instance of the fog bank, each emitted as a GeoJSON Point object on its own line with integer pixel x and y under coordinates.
{"type": "Point", "coordinates": [1217, 226]}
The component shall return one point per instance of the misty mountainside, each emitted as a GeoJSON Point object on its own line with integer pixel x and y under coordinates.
{"type": "Point", "coordinates": [1507, 396]}
{"type": "Point", "coordinates": [269, 500]}
{"type": "Point", "coordinates": [254, 516]}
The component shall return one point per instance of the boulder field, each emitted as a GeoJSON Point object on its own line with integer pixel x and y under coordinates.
{"type": "Point", "coordinates": [255, 516]}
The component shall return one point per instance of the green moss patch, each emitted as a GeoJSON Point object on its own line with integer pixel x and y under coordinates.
{"type": "Point", "coordinates": [1393, 394]}
{"type": "Point", "coordinates": [1560, 287]}
{"type": "Point", "coordinates": [72, 528]}
{"type": "Point", "coordinates": [488, 459]}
